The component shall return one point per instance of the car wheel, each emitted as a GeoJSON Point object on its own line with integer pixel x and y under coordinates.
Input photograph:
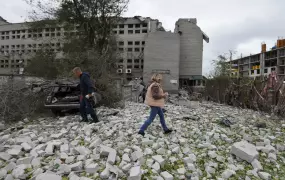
{"type": "Point", "coordinates": [57, 112]}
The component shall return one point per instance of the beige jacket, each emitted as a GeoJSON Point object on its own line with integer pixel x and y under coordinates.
{"type": "Point", "coordinates": [152, 102]}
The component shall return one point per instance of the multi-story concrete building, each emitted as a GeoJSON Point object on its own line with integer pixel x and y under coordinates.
{"type": "Point", "coordinates": [261, 64]}
{"type": "Point", "coordinates": [191, 51]}
{"type": "Point", "coordinates": [178, 54]}
{"type": "Point", "coordinates": [162, 54]}
{"type": "Point", "coordinates": [132, 34]}
{"type": "Point", "coordinates": [18, 43]}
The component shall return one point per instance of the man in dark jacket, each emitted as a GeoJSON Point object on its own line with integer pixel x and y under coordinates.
{"type": "Point", "coordinates": [87, 91]}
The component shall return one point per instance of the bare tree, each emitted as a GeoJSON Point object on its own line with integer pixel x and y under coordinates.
{"type": "Point", "coordinates": [89, 41]}
{"type": "Point", "coordinates": [222, 65]}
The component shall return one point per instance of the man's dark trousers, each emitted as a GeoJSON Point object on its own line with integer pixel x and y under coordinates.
{"type": "Point", "coordinates": [85, 108]}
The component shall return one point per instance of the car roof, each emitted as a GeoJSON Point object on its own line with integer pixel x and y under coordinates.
{"type": "Point", "coordinates": [66, 83]}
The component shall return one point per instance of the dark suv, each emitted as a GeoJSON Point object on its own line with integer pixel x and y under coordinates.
{"type": "Point", "coordinates": [64, 97]}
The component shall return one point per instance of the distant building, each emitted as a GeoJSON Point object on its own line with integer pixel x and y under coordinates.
{"type": "Point", "coordinates": [178, 56]}
{"type": "Point", "coordinates": [162, 55]}
{"type": "Point", "coordinates": [261, 64]}
{"type": "Point", "coordinates": [144, 46]}
{"type": "Point", "coordinates": [18, 43]}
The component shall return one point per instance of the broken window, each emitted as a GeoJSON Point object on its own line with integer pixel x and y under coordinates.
{"type": "Point", "coordinates": [137, 49]}
{"type": "Point", "coordinates": [272, 69]}
{"type": "Point", "coordinates": [130, 25]}
{"type": "Point", "coordinates": [136, 66]}
{"type": "Point", "coordinates": [137, 61]}
{"type": "Point", "coordinates": [137, 43]}
{"type": "Point", "coordinates": [130, 32]}
{"type": "Point", "coordinates": [137, 31]}
{"type": "Point", "coordinates": [138, 25]}
{"type": "Point", "coordinates": [265, 70]}
{"type": "Point", "coordinates": [130, 61]}
{"type": "Point", "coordinates": [121, 43]}
{"type": "Point", "coordinates": [144, 24]}
{"type": "Point", "coordinates": [144, 31]}
{"type": "Point", "coordinates": [122, 32]}
{"type": "Point", "coordinates": [130, 49]}
{"type": "Point", "coordinates": [121, 26]}
{"type": "Point", "coordinates": [130, 42]}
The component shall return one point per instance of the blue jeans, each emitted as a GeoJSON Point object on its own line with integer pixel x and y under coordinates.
{"type": "Point", "coordinates": [86, 108]}
{"type": "Point", "coordinates": [153, 112]}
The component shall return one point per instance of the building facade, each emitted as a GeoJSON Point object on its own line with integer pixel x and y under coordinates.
{"type": "Point", "coordinates": [143, 45]}
{"type": "Point", "coordinates": [132, 34]}
{"type": "Point", "coordinates": [191, 51]}
{"type": "Point", "coordinates": [18, 44]}
{"type": "Point", "coordinates": [162, 53]}
{"type": "Point", "coordinates": [178, 56]}
{"type": "Point", "coordinates": [261, 64]}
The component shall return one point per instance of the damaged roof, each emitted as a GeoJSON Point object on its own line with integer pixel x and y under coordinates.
{"type": "Point", "coordinates": [3, 20]}
{"type": "Point", "coordinates": [205, 37]}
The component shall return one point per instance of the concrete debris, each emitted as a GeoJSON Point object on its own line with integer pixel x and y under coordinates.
{"type": "Point", "coordinates": [48, 176]}
{"type": "Point", "coordinates": [167, 176]}
{"type": "Point", "coordinates": [135, 173]}
{"type": "Point", "coordinates": [244, 151]}
{"type": "Point", "coordinates": [198, 148]}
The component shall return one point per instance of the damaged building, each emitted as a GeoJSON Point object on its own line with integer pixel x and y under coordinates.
{"type": "Point", "coordinates": [178, 56]}
{"type": "Point", "coordinates": [261, 64]}
{"type": "Point", "coordinates": [144, 48]}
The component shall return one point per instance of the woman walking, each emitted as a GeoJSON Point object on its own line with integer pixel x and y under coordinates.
{"type": "Point", "coordinates": [155, 98]}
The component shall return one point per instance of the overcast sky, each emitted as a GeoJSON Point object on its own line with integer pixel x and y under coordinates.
{"type": "Point", "coordinates": [240, 25]}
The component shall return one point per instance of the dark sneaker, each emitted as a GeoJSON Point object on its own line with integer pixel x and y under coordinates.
{"type": "Point", "coordinates": [168, 131]}
{"type": "Point", "coordinates": [141, 133]}
{"type": "Point", "coordinates": [92, 122]}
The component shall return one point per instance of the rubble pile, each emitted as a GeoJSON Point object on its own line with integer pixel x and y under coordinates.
{"type": "Point", "coordinates": [200, 147]}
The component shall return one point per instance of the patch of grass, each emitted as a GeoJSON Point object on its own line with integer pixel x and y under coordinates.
{"type": "Point", "coordinates": [28, 170]}
{"type": "Point", "coordinates": [30, 176]}
{"type": "Point", "coordinates": [81, 142]}
{"type": "Point", "coordinates": [64, 178]}
{"type": "Point", "coordinates": [147, 175]}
